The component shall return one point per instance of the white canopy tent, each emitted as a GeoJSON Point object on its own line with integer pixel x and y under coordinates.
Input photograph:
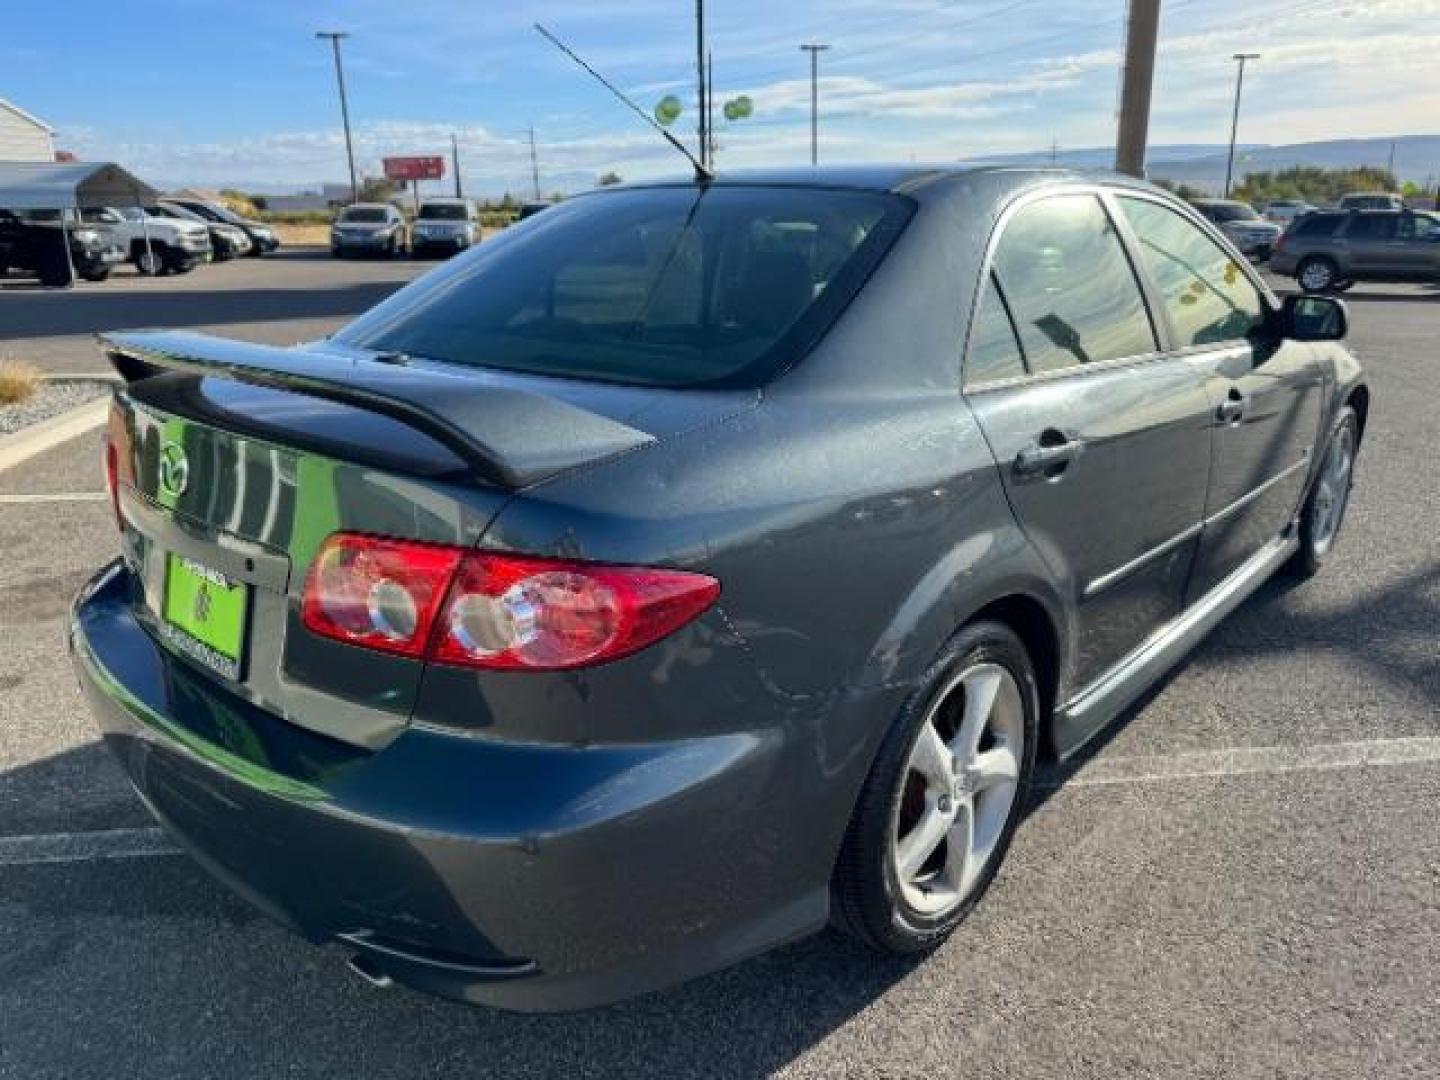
{"type": "Point", "coordinates": [44, 185]}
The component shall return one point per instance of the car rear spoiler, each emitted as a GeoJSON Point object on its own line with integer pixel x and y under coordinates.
{"type": "Point", "coordinates": [506, 436]}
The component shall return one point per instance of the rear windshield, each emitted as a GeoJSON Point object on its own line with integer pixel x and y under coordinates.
{"type": "Point", "coordinates": [363, 213]}
{"type": "Point", "coordinates": [442, 212]}
{"type": "Point", "coordinates": [1222, 212]}
{"type": "Point", "coordinates": [669, 286]}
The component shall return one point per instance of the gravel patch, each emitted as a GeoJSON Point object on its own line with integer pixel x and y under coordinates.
{"type": "Point", "coordinates": [54, 397]}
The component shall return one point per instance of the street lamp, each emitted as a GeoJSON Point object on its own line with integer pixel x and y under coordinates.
{"type": "Point", "coordinates": [334, 37]}
{"type": "Point", "coordinates": [1235, 116]}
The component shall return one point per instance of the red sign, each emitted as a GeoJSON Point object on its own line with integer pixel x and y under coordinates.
{"type": "Point", "coordinates": [414, 168]}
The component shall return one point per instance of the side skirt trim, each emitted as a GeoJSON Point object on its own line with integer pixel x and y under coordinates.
{"type": "Point", "coordinates": [1096, 705]}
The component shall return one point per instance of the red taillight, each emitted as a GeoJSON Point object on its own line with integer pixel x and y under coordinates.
{"type": "Point", "coordinates": [112, 478]}
{"type": "Point", "coordinates": [382, 594]}
{"type": "Point", "coordinates": [488, 610]}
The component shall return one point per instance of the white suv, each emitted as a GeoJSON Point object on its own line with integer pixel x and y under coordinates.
{"type": "Point", "coordinates": [174, 246]}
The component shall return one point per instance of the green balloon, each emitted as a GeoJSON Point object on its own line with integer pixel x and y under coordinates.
{"type": "Point", "coordinates": [668, 109]}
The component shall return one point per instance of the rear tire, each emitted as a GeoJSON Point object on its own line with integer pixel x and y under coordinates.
{"type": "Point", "coordinates": [1324, 511]}
{"type": "Point", "coordinates": [1317, 274]}
{"type": "Point", "coordinates": [98, 273]}
{"type": "Point", "coordinates": [981, 701]}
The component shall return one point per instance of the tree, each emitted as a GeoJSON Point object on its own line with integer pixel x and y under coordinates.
{"type": "Point", "coordinates": [609, 179]}
{"type": "Point", "coordinates": [1313, 184]}
{"type": "Point", "coordinates": [377, 189]}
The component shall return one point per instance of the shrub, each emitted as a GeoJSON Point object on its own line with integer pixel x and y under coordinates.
{"type": "Point", "coordinates": [19, 381]}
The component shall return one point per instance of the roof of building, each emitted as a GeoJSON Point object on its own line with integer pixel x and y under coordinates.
{"type": "Point", "coordinates": [11, 107]}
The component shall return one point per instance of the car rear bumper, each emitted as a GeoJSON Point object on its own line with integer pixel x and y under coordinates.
{"type": "Point", "coordinates": [535, 877]}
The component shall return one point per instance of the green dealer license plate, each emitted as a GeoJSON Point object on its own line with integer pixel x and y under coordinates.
{"type": "Point", "coordinates": [204, 615]}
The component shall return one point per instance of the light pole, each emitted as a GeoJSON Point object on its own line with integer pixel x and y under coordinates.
{"type": "Point", "coordinates": [1235, 116]}
{"type": "Point", "coordinates": [814, 50]}
{"type": "Point", "coordinates": [334, 36]}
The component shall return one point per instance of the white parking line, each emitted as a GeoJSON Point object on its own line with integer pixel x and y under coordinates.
{"type": "Point", "coordinates": [50, 848]}
{"type": "Point", "coordinates": [1255, 760]}
{"type": "Point", "coordinates": [54, 497]}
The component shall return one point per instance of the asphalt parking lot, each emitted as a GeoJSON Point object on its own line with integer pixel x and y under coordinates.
{"type": "Point", "coordinates": [1242, 880]}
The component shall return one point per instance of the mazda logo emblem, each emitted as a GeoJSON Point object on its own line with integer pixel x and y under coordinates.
{"type": "Point", "coordinates": [174, 469]}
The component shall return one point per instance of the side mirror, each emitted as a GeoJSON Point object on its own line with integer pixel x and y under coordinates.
{"type": "Point", "coordinates": [1315, 318]}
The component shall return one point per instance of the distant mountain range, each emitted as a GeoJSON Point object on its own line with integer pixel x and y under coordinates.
{"type": "Point", "coordinates": [1417, 157]}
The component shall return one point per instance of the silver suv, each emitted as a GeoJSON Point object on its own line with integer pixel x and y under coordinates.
{"type": "Point", "coordinates": [1242, 226]}
{"type": "Point", "coordinates": [1330, 250]}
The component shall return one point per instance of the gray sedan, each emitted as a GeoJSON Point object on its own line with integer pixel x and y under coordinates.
{"type": "Point", "coordinates": [697, 565]}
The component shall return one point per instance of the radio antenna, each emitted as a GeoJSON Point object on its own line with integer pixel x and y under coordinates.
{"type": "Point", "coordinates": [702, 174]}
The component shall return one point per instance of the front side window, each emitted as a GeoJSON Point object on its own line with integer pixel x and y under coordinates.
{"type": "Point", "coordinates": [1206, 294]}
{"type": "Point", "coordinates": [666, 286]}
{"type": "Point", "coordinates": [1418, 226]}
{"type": "Point", "coordinates": [1070, 286]}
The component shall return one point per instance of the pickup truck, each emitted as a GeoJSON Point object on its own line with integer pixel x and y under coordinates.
{"type": "Point", "coordinates": [32, 242]}
{"type": "Point", "coordinates": [175, 246]}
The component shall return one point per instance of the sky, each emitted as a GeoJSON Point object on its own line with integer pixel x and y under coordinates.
{"type": "Point", "coordinates": [243, 94]}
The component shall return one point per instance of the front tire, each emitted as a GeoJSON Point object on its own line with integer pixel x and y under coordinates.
{"type": "Point", "coordinates": [1325, 506]}
{"type": "Point", "coordinates": [96, 273]}
{"type": "Point", "coordinates": [941, 803]}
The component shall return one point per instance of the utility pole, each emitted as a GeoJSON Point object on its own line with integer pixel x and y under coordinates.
{"type": "Point", "coordinates": [335, 37]}
{"type": "Point", "coordinates": [1054, 150]}
{"type": "Point", "coordinates": [814, 50]}
{"type": "Point", "coordinates": [1235, 116]}
{"type": "Point", "coordinates": [455, 160]}
{"type": "Point", "coordinates": [710, 105]}
{"type": "Point", "coordinates": [534, 165]}
{"type": "Point", "coordinates": [1142, 28]}
{"type": "Point", "coordinates": [700, 80]}
{"type": "Point", "coordinates": [1390, 164]}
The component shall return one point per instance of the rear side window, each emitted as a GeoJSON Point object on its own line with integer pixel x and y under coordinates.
{"type": "Point", "coordinates": [1206, 294]}
{"type": "Point", "coordinates": [1312, 225]}
{"type": "Point", "coordinates": [994, 349]}
{"type": "Point", "coordinates": [1372, 226]}
{"type": "Point", "coordinates": [1070, 286]}
{"type": "Point", "coordinates": [667, 286]}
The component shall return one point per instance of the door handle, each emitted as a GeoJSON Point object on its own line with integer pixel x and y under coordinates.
{"type": "Point", "coordinates": [1047, 456]}
{"type": "Point", "coordinates": [1232, 409]}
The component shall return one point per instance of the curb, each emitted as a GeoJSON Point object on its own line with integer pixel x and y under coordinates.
{"type": "Point", "coordinates": [37, 438]}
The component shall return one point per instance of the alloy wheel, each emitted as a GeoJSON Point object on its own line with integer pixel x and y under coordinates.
{"type": "Point", "coordinates": [1332, 490]}
{"type": "Point", "coordinates": [959, 788]}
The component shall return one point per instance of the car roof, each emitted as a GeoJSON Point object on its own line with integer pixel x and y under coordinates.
{"type": "Point", "coordinates": [895, 177]}
{"type": "Point", "coordinates": [443, 199]}
{"type": "Point", "coordinates": [367, 206]}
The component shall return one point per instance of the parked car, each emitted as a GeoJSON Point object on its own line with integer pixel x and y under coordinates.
{"type": "Point", "coordinates": [226, 241]}
{"type": "Point", "coordinates": [263, 239]}
{"type": "Point", "coordinates": [1242, 226]}
{"type": "Point", "coordinates": [444, 226]}
{"type": "Point", "coordinates": [1283, 211]}
{"type": "Point", "coordinates": [1331, 250]}
{"type": "Point", "coordinates": [1372, 200]}
{"type": "Point", "coordinates": [368, 229]}
{"type": "Point", "coordinates": [713, 563]}
{"type": "Point", "coordinates": [32, 242]}
{"type": "Point", "coordinates": [530, 209]}
{"type": "Point", "coordinates": [174, 247]}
